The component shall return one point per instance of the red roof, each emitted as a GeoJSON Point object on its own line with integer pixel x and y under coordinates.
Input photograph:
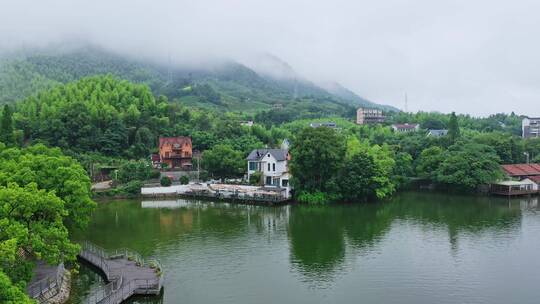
{"type": "Point", "coordinates": [522, 169]}
{"type": "Point", "coordinates": [181, 140]}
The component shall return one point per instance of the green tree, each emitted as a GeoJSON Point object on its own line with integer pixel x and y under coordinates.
{"type": "Point", "coordinates": [317, 156]}
{"type": "Point", "coordinates": [6, 126]}
{"type": "Point", "coordinates": [134, 170]}
{"type": "Point", "coordinates": [357, 180]}
{"type": "Point", "coordinates": [429, 161]}
{"type": "Point", "coordinates": [468, 166]}
{"type": "Point", "coordinates": [222, 161]}
{"type": "Point", "coordinates": [453, 128]}
{"type": "Point", "coordinates": [50, 170]}
{"type": "Point", "coordinates": [31, 221]}
{"type": "Point", "coordinates": [10, 293]}
{"type": "Point", "coordinates": [403, 168]}
{"type": "Point", "coordinates": [385, 164]}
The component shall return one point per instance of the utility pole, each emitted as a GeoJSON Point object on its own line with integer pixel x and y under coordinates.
{"type": "Point", "coordinates": [198, 157]}
{"type": "Point", "coordinates": [406, 103]}
{"type": "Point", "coordinates": [527, 155]}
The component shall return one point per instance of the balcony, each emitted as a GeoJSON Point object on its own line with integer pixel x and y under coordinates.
{"type": "Point", "coordinates": [177, 155]}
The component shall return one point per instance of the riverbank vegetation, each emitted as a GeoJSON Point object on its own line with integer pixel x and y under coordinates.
{"type": "Point", "coordinates": [103, 120]}
{"type": "Point", "coordinates": [42, 194]}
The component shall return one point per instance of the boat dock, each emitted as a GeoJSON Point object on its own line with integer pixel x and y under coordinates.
{"type": "Point", "coordinates": [514, 188]}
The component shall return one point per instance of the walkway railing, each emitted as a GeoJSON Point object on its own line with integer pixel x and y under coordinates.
{"type": "Point", "coordinates": [119, 290]}
{"type": "Point", "coordinates": [48, 284]}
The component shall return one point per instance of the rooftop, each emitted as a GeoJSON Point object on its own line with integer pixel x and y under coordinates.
{"type": "Point", "coordinates": [521, 169]}
{"type": "Point", "coordinates": [438, 132]}
{"type": "Point", "coordinates": [405, 126]}
{"type": "Point", "coordinates": [278, 154]}
{"type": "Point", "coordinates": [180, 140]}
{"type": "Point", "coordinates": [513, 183]}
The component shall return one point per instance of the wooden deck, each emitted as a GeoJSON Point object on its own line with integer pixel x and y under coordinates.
{"type": "Point", "coordinates": [127, 273]}
{"type": "Point", "coordinates": [514, 192]}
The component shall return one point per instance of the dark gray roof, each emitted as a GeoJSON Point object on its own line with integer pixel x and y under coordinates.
{"type": "Point", "coordinates": [437, 133]}
{"type": "Point", "coordinates": [258, 154]}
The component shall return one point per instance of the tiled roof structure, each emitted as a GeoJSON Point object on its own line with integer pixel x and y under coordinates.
{"type": "Point", "coordinates": [522, 170]}
{"type": "Point", "coordinates": [180, 140]}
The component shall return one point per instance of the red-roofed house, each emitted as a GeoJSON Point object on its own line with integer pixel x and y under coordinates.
{"type": "Point", "coordinates": [525, 180]}
{"type": "Point", "coordinates": [176, 152]}
{"type": "Point", "coordinates": [402, 128]}
{"type": "Point", "coordinates": [522, 170]}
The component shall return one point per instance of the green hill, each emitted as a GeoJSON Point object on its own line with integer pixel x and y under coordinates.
{"type": "Point", "coordinates": [228, 86]}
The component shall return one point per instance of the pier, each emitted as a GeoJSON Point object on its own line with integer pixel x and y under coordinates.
{"type": "Point", "coordinates": [126, 272]}
{"type": "Point", "coordinates": [228, 192]}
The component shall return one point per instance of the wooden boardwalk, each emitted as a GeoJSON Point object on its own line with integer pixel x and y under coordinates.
{"type": "Point", "coordinates": [127, 273]}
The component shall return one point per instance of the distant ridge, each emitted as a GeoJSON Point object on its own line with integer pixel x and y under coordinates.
{"type": "Point", "coordinates": [224, 84]}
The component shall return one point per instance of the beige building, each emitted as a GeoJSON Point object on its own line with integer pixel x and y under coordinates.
{"type": "Point", "coordinates": [369, 116]}
{"type": "Point", "coordinates": [530, 127]}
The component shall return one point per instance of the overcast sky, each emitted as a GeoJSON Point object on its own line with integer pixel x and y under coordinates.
{"type": "Point", "coordinates": [470, 56]}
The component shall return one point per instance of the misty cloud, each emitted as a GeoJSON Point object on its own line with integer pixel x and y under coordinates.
{"type": "Point", "coordinates": [476, 57]}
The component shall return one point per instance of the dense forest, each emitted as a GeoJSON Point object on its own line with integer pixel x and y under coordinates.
{"type": "Point", "coordinates": [223, 85]}
{"type": "Point", "coordinates": [104, 120]}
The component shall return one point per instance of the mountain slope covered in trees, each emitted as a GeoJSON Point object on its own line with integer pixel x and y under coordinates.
{"type": "Point", "coordinates": [227, 85]}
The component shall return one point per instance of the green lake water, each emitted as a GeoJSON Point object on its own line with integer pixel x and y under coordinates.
{"type": "Point", "coordinates": [415, 248]}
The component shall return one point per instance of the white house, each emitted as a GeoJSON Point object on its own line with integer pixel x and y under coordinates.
{"type": "Point", "coordinates": [248, 123]}
{"type": "Point", "coordinates": [273, 164]}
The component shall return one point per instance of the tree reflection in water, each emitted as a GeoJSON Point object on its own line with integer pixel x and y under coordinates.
{"type": "Point", "coordinates": [319, 235]}
{"type": "Point", "coordinates": [230, 245]}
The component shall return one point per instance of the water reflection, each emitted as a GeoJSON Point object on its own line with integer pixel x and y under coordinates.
{"type": "Point", "coordinates": [229, 244]}
{"type": "Point", "coordinates": [318, 234]}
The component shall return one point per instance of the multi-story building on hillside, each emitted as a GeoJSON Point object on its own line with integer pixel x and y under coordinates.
{"type": "Point", "coordinates": [530, 127]}
{"type": "Point", "coordinates": [369, 116]}
{"type": "Point", "coordinates": [176, 152]}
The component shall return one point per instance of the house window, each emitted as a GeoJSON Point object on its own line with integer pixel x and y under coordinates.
{"type": "Point", "coordinates": [274, 167]}
{"type": "Point", "coordinates": [252, 166]}
{"type": "Point", "coordinates": [268, 180]}
{"type": "Point", "coordinates": [268, 166]}
{"type": "Point", "coordinates": [285, 182]}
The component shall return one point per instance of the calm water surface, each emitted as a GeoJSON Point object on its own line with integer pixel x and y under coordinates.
{"type": "Point", "coordinates": [415, 248]}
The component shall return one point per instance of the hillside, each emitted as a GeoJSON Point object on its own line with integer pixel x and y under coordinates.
{"type": "Point", "coordinates": [226, 86]}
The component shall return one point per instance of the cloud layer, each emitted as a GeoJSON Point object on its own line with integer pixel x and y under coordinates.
{"type": "Point", "coordinates": [477, 57]}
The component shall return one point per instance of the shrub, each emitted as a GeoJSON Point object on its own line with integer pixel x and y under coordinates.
{"type": "Point", "coordinates": [133, 187]}
{"type": "Point", "coordinates": [155, 174]}
{"type": "Point", "coordinates": [255, 179]}
{"type": "Point", "coordinates": [184, 180]}
{"type": "Point", "coordinates": [203, 176]}
{"type": "Point", "coordinates": [165, 181]}
{"type": "Point", "coordinates": [315, 198]}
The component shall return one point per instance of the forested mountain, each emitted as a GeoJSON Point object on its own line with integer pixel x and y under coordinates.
{"type": "Point", "coordinates": [227, 85]}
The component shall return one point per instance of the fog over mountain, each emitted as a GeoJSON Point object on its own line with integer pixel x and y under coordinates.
{"type": "Point", "coordinates": [477, 57]}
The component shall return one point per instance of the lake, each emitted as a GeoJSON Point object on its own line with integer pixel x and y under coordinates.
{"type": "Point", "coordinates": [414, 248]}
